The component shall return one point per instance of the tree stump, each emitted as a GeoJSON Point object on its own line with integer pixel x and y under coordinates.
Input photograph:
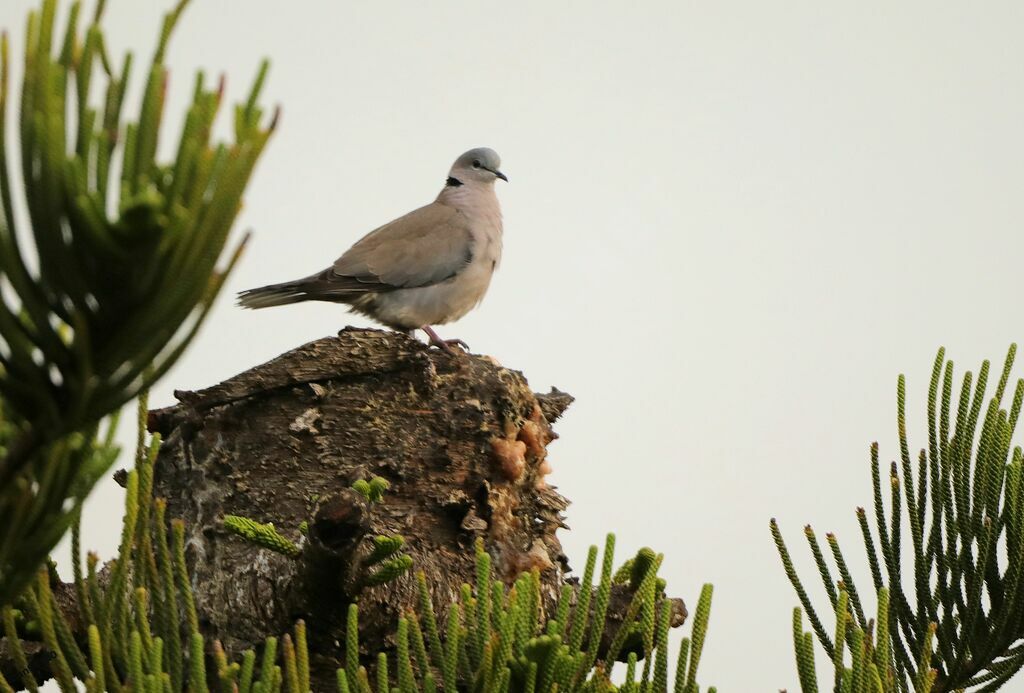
{"type": "Point", "coordinates": [461, 440]}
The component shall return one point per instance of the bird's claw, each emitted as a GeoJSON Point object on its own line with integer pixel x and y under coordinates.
{"type": "Point", "coordinates": [445, 345]}
{"type": "Point", "coordinates": [457, 342]}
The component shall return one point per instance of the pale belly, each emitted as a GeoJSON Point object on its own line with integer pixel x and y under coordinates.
{"type": "Point", "coordinates": [430, 305]}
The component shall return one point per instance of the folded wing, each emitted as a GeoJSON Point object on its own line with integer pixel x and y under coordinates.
{"type": "Point", "coordinates": [424, 247]}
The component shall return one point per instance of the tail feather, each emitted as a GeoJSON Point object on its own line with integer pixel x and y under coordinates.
{"type": "Point", "coordinates": [272, 295]}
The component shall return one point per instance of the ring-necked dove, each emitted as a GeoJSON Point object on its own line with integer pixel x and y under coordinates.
{"type": "Point", "coordinates": [429, 267]}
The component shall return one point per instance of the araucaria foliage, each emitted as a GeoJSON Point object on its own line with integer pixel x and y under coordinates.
{"type": "Point", "coordinates": [955, 621]}
{"type": "Point", "coordinates": [120, 290]}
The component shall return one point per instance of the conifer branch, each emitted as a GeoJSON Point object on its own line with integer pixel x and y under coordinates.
{"type": "Point", "coordinates": [960, 623]}
{"type": "Point", "coordinates": [118, 293]}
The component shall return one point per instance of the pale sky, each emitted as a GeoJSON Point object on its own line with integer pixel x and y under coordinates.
{"type": "Point", "coordinates": [729, 227]}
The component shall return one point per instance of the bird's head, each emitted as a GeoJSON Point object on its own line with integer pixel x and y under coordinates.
{"type": "Point", "coordinates": [480, 165]}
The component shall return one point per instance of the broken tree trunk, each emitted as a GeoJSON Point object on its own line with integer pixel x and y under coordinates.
{"type": "Point", "coordinates": [461, 441]}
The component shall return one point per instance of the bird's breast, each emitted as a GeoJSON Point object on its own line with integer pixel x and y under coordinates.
{"type": "Point", "coordinates": [483, 215]}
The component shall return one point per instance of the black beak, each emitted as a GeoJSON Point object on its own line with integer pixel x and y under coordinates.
{"type": "Point", "coordinates": [499, 174]}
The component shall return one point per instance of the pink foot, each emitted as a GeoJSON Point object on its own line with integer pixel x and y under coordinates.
{"type": "Point", "coordinates": [444, 344]}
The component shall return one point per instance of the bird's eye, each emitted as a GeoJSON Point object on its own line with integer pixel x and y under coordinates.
{"type": "Point", "coordinates": [476, 163]}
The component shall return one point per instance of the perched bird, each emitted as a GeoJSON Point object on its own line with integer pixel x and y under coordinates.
{"type": "Point", "coordinates": [429, 267]}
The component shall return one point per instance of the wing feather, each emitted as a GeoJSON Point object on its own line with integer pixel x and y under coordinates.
{"type": "Point", "coordinates": [424, 247]}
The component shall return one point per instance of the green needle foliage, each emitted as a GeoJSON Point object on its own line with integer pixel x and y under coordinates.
{"type": "Point", "coordinates": [33, 515]}
{"type": "Point", "coordinates": [135, 640]}
{"type": "Point", "coordinates": [871, 666]}
{"type": "Point", "coordinates": [264, 535]}
{"type": "Point", "coordinates": [498, 640]}
{"type": "Point", "coordinates": [953, 590]}
{"type": "Point", "coordinates": [121, 268]}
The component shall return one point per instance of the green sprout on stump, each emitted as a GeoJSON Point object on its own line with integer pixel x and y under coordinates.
{"type": "Point", "coordinates": [262, 535]}
{"type": "Point", "coordinates": [373, 490]}
{"type": "Point", "coordinates": [385, 563]}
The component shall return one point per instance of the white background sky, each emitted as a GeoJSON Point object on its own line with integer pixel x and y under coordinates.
{"type": "Point", "coordinates": [729, 227]}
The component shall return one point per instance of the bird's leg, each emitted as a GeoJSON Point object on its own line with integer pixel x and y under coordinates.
{"type": "Point", "coordinates": [443, 344]}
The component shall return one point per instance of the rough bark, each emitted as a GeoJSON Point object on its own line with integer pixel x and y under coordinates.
{"type": "Point", "coordinates": [462, 441]}
{"type": "Point", "coordinates": [37, 655]}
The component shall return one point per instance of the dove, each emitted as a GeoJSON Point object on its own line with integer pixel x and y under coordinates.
{"type": "Point", "coordinates": [429, 267]}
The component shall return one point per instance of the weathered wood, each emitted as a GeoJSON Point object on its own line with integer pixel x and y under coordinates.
{"type": "Point", "coordinates": [462, 441]}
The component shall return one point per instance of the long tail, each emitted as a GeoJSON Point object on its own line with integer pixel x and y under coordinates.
{"type": "Point", "coordinates": [273, 295]}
